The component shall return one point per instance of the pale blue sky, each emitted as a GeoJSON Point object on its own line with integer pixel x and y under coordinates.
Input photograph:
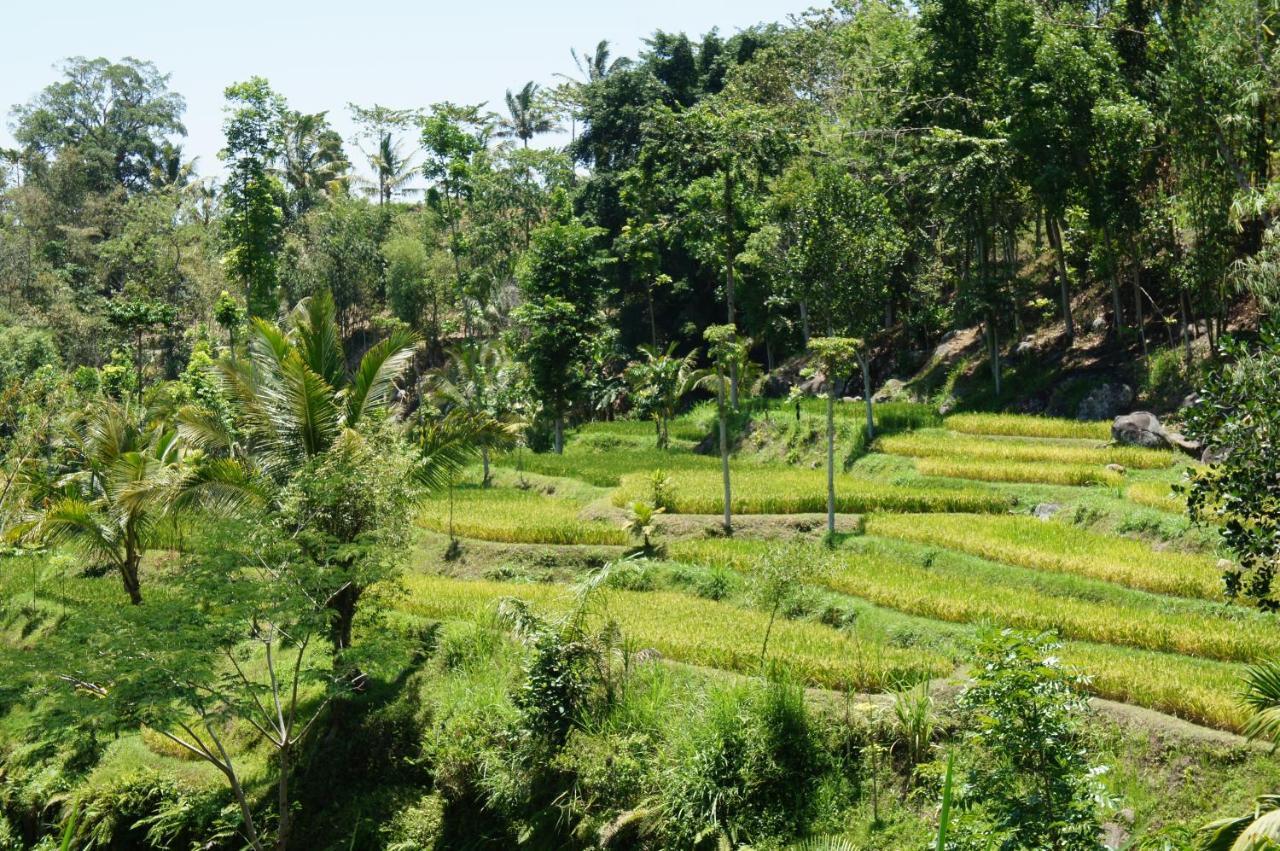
{"type": "Point", "coordinates": [323, 53]}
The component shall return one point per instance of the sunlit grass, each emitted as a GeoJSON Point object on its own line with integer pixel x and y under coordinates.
{"type": "Point", "coordinates": [1021, 425]}
{"type": "Point", "coordinates": [947, 586]}
{"type": "Point", "coordinates": [759, 489]}
{"type": "Point", "coordinates": [940, 444]}
{"type": "Point", "coordinates": [1054, 546]}
{"type": "Point", "coordinates": [512, 515]}
{"type": "Point", "coordinates": [1156, 494]}
{"type": "Point", "coordinates": [701, 632]}
{"type": "Point", "coordinates": [1076, 475]}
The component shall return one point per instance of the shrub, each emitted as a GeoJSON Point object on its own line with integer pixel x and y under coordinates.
{"type": "Point", "coordinates": [1166, 380]}
{"type": "Point", "coordinates": [746, 770]}
{"type": "Point", "coordinates": [1029, 784]}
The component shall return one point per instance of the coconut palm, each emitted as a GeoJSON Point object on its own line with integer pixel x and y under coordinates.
{"type": "Point", "coordinates": [660, 381]}
{"type": "Point", "coordinates": [292, 400]}
{"type": "Point", "coordinates": [112, 506]}
{"type": "Point", "coordinates": [447, 443]}
{"type": "Point", "coordinates": [392, 168]}
{"type": "Point", "coordinates": [476, 378]}
{"type": "Point", "coordinates": [527, 115]}
{"type": "Point", "coordinates": [312, 162]}
{"type": "Point", "coordinates": [294, 394]}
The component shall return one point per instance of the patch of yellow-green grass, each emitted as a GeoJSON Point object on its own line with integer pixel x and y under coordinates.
{"type": "Point", "coordinates": [961, 589]}
{"type": "Point", "coordinates": [1199, 690]}
{"type": "Point", "coordinates": [1156, 494]}
{"type": "Point", "coordinates": [701, 632]}
{"type": "Point", "coordinates": [933, 443]}
{"type": "Point", "coordinates": [761, 489]}
{"type": "Point", "coordinates": [515, 516]}
{"type": "Point", "coordinates": [603, 463]}
{"type": "Point", "coordinates": [1023, 425]}
{"type": "Point", "coordinates": [1076, 475]}
{"type": "Point", "coordinates": [1049, 545]}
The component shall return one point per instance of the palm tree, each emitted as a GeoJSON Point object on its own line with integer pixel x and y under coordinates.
{"type": "Point", "coordinates": [111, 508]}
{"type": "Point", "coordinates": [293, 397]}
{"type": "Point", "coordinates": [1260, 828]}
{"type": "Point", "coordinates": [660, 381]}
{"type": "Point", "coordinates": [312, 162]}
{"type": "Point", "coordinates": [447, 443]}
{"type": "Point", "coordinates": [595, 66]}
{"type": "Point", "coordinates": [477, 379]}
{"type": "Point", "coordinates": [394, 170]}
{"type": "Point", "coordinates": [527, 115]}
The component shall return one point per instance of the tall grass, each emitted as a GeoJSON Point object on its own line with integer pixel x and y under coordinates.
{"type": "Point", "coordinates": [1028, 542]}
{"type": "Point", "coordinates": [701, 632]}
{"type": "Point", "coordinates": [940, 444]}
{"type": "Point", "coordinates": [963, 589]}
{"type": "Point", "coordinates": [511, 515]}
{"type": "Point", "coordinates": [1075, 475]}
{"type": "Point", "coordinates": [759, 489]}
{"type": "Point", "coordinates": [1021, 425]}
{"type": "Point", "coordinates": [1156, 494]}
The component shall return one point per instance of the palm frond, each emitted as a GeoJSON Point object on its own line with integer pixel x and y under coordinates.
{"type": "Point", "coordinates": [381, 365]}
{"type": "Point", "coordinates": [1262, 695]}
{"type": "Point", "coordinates": [78, 523]}
{"type": "Point", "coordinates": [203, 429]}
{"type": "Point", "coordinates": [302, 410]}
{"type": "Point", "coordinates": [315, 326]}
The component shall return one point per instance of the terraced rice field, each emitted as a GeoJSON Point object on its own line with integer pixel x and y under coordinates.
{"type": "Point", "coordinates": [948, 541]}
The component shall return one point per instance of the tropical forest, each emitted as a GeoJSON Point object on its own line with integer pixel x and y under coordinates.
{"type": "Point", "coordinates": [855, 430]}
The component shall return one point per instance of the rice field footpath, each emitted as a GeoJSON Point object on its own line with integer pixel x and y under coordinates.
{"type": "Point", "coordinates": [702, 632]}
{"type": "Point", "coordinates": [1051, 545]}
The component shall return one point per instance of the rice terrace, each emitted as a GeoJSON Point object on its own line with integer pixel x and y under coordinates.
{"type": "Point", "coordinates": [772, 428]}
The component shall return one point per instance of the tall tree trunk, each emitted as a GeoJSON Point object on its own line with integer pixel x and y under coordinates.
{"type": "Point", "coordinates": [282, 801]}
{"type": "Point", "coordinates": [993, 345]}
{"type": "Point", "coordinates": [1055, 238]}
{"type": "Point", "coordinates": [1184, 316]}
{"type": "Point", "coordinates": [831, 455]}
{"type": "Point", "coordinates": [1138, 319]}
{"type": "Point", "coordinates": [729, 282]}
{"type": "Point", "coordinates": [484, 462]}
{"type": "Point", "coordinates": [804, 322]}
{"type": "Point", "coordinates": [724, 455]}
{"type": "Point", "coordinates": [559, 440]}
{"type": "Point", "coordinates": [865, 363]}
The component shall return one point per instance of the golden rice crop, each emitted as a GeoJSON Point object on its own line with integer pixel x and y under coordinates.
{"type": "Point", "coordinates": [1013, 471]}
{"type": "Point", "coordinates": [511, 515]}
{"type": "Point", "coordinates": [1047, 545]}
{"type": "Point", "coordinates": [760, 489]}
{"type": "Point", "coordinates": [1022, 425]}
{"type": "Point", "coordinates": [939, 444]}
{"type": "Point", "coordinates": [701, 632]}
{"type": "Point", "coordinates": [960, 589]}
{"type": "Point", "coordinates": [1156, 494]}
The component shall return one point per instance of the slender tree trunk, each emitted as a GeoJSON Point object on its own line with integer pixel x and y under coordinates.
{"type": "Point", "coordinates": [1055, 237]}
{"type": "Point", "coordinates": [484, 462]}
{"type": "Point", "coordinates": [724, 455]}
{"type": "Point", "coordinates": [1185, 322]}
{"type": "Point", "coordinates": [559, 442]}
{"type": "Point", "coordinates": [729, 282]}
{"type": "Point", "coordinates": [865, 363]}
{"type": "Point", "coordinates": [831, 455]}
{"type": "Point", "coordinates": [282, 801]}
{"type": "Point", "coordinates": [653, 321]}
{"type": "Point", "coordinates": [1138, 319]}
{"type": "Point", "coordinates": [993, 344]}
{"type": "Point", "coordinates": [129, 575]}
{"type": "Point", "coordinates": [804, 322]}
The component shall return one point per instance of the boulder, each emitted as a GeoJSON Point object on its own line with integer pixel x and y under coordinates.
{"type": "Point", "coordinates": [1116, 468]}
{"type": "Point", "coordinates": [1105, 401]}
{"type": "Point", "coordinates": [1046, 510]}
{"type": "Point", "coordinates": [1143, 428]}
{"type": "Point", "coordinates": [1024, 348]}
{"type": "Point", "coordinates": [1098, 324]}
{"type": "Point", "coordinates": [894, 390]}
